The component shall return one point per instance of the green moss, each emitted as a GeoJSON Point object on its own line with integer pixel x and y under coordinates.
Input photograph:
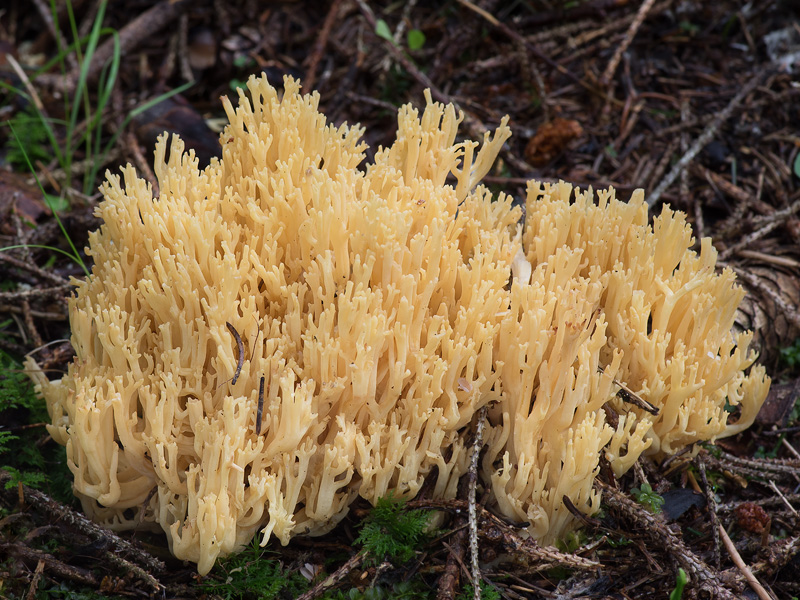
{"type": "Point", "coordinates": [251, 574]}
{"type": "Point", "coordinates": [393, 533]}
{"type": "Point", "coordinates": [29, 461]}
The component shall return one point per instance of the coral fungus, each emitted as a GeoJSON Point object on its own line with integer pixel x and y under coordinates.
{"type": "Point", "coordinates": [382, 307]}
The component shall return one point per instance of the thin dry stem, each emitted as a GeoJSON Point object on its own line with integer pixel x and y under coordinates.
{"type": "Point", "coordinates": [743, 568]}
{"type": "Point", "coordinates": [605, 79]}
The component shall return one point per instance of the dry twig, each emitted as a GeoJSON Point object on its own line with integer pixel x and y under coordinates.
{"type": "Point", "coordinates": [473, 515]}
{"type": "Point", "coordinates": [495, 529]}
{"type": "Point", "coordinates": [69, 517]}
{"type": "Point", "coordinates": [711, 503]}
{"type": "Point", "coordinates": [58, 280]}
{"type": "Point", "coordinates": [705, 137]}
{"type": "Point", "coordinates": [37, 576]}
{"type": "Point", "coordinates": [533, 49]}
{"type": "Point", "coordinates": [648, 525]}
{"type": "Point", "coordinates": [26, 82]}
{"type": "Point", "coordinates": [605, 79]}
{"type": "Point", "coordinates": [58, 291]}
{"type": "Point", "coordinates": [334, 578]}
{"type": "Point", "coordinates": [142, 27]}
{"type": "Point", "coordinates": [791, 312]}
{"type": "Point", "coordinates": [449, 580]}
{"type": "Point", "coordinates": [51, 564]}
{"type": "Point", "coordinates": [743, 568]}
{"type": "Point", "coordinates": [319, 45]}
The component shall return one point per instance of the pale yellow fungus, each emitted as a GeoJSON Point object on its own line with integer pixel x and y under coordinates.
{"type": "Point", "coordinates": [383, 307]}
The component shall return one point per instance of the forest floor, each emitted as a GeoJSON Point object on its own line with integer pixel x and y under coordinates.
{"type": "Point", "coordinates": [696, 102]}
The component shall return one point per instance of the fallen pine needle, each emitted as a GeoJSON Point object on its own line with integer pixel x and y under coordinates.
{"type": "Point", "coordinates": [762, 593]}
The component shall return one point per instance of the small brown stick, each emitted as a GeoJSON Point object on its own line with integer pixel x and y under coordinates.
{"type": "Point", "coordinates": [142, 27]}
{"type": "Point", "coordinates": [141, 162]}
{"type": "Point", "coordinates": [260, 405]}
{"type": "Point", "coordinates": [610, 30]}
{"type": "Point", "coordinates": [684, 184]}
{"type": "Point", "coordinates": [745, 570]}
{"type": "Point", "coordinates": [31, 326]}
{"type": "Point", "coordinates": [780, 553]}
{"type": "Point", "coordinates": [533, 49]}
{"type": "Point", "coordinates": [253, 349]}
{"type": "Point", "coordinates": [627, 395]}
{"type": "Point", "coordinates": [168, 64]}
{"type": "Point", "coordinates": [640, 475]}
{"type": "Point", "coordinates": [477, 445]}
{"type": "Point", "coordinates": [705, 137]}
{"type": "Point", "coordinates": [69, 517]}
{"type": "Point", "coordinates": [663, 162]}
{"type": "Point", "coordinates": [585, 519]}
{"type": "Point", "coordinates": [778, 215]}
{"type": "Point", "coordinates": [547, 557]}
{"type": "Point", "coordinates": [652, 527]}
{"type": "Point", "coordinates": [699, 220]}
{"type": "Point", "coordinates": [792, 450]}
{"type": "Point", "coordinates": [778, 171]}
{"type": "Point", "coordinates": [151, 583]}
{"type": "Point", "coordinates": [319, 45]}
{"type": "Point", "coordinates": [630, 116]}
{"type": "Point", "coordinates": [483, 13]}
{"type": "Point", "coordinates": [88, 19]}
{"type": "Point", "coordinates": [498, 529]}
{"type": "Point", "coordinates": [39, 314]}
{"type": "Point", "coordinates": [626, 41]}
{"type": "Point", "coordinates": [674, 459]}
{"type": "Point", "coordinates": [448, 581]}
{"type": "Point", "coordinates": [20, 264]}
{"type": "Point", "coordinates": [240, 348]}
{"type": "Point", "coordinates": [371, 101]}
{"type": "Point", "coordinates": [335, 577]}
{"type": "Point", "coordinates": [47, 16]}
{"type": "Point", "coordinates": [717, 180]}
{"type": "Point", "coordinates": [143, 505]}
{"type": "Point", "coordinates": [34, 96]}
{"type": "Point", "coordinates": [53, 565]}
{"type": "Point", "coordinates": [712, 508]}
{"type": "Point", "coordinates": [782, 497]}
{"type": "Point", "coordinates": [55, 292]}
{"type": "Point", "coordinates": [183, 53]}
{"type": "Point", "coordinates": [37, 576]}
{"type": "Point", "coordinates": [789, 311]}
{"type": "Point", "coordinates": [778, 467]}
{"type": "Point", "coordinates": [770, 259]}
{"type": "Point", "coordinates": [769, 502]}
{"type": "Point", "coordinates": [532, 76]}
{"type": "Point", "coordinates": [749, 239]}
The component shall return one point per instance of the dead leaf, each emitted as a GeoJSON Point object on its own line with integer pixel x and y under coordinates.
{"type": "Point", "coordinates": [18, 197]}
{"type": "Point", "coordinates": [550, 140]}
